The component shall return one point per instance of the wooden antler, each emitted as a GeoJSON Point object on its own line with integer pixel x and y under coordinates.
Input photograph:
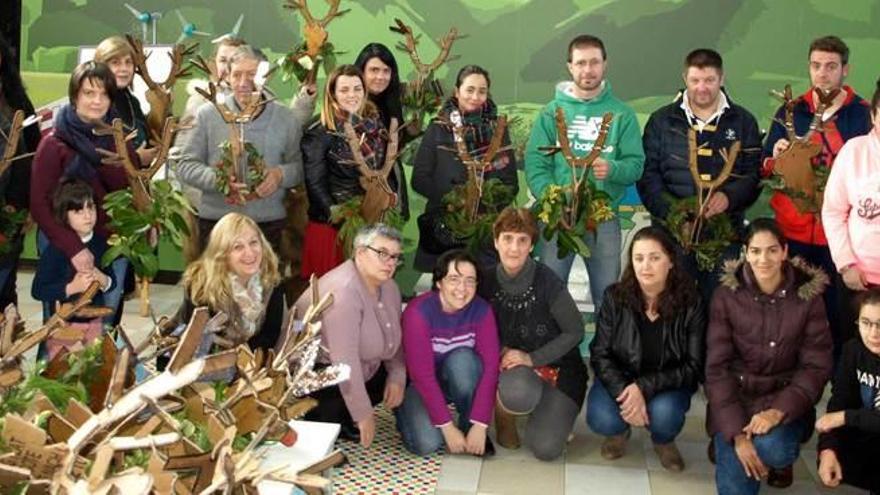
{"type": "Point", "coordinates": [159, 95]}
{"type": "Point", "coordinates": [705, 187]}
{"type": "Point", "coordinates": [12, 140]}
{"type": "Point", "coordinates": [315, 30]}
{"type": "Point", "coordinates": [476, 167]}
{"type": "Point", "coordinates": [410, 45]}
{"type": "Point", "coordinates": [379, 196]}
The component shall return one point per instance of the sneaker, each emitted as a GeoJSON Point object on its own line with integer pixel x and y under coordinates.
{"type": "Point", "coordinates": [781, 478]}
{"type": "Point", "coordinates": [614, 447]}
{"type": "Point", "coordinates": [669, 456]}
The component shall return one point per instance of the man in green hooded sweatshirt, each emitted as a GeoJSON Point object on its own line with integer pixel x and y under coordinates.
{"type": "Point", "coordinates": [585, 99]}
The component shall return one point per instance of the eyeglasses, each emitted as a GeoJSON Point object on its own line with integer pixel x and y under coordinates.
{"type": "Point", "coordinates": [385, 256]}
{"type": "Point", "coordinates": [455, 280]}
{"type": "Point", "coordinates": [867, 324]}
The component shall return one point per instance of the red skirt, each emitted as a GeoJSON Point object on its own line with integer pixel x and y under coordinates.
{"type": "Point", "coordinates": [321, 250]}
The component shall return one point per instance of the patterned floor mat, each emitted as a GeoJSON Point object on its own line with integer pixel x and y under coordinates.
{"type": "Point", "coordinates": [386, 467]}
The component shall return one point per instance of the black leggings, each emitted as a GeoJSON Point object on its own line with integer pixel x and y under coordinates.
{"type": "Point", "coordinates": [331, 406]}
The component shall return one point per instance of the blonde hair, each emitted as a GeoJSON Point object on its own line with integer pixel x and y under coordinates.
{"type": "Point", "coordinates": [330, 108]}
{"type": "Point", "coordinates": [113, 47]}
{"type": "Point", "coordinates": [207, 279]}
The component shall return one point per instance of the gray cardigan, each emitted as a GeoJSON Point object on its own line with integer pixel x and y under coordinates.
{"type": "Point", "coordinates": [275, 133]}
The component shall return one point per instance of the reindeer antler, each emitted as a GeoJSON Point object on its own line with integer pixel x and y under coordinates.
{"type": "Point", "coordinates": [411, 42]}
{"type": "Point", "coordinates": [12, 140]}
{"type": "Point", "coordinates": [826, 99]}
{"type": "Point", "coordinates": [315, 32]}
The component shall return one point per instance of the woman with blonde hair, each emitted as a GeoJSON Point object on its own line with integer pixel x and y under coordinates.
{"type": "Point", "coordinates": [118, 54]}
{"type": "Point", "coordinates": [238, 275]}
{"type": "Point", "coordinates": [330, 178]}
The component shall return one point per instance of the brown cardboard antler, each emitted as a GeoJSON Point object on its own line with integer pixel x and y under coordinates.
{"type": "Point", "coordinates": [379, 196]}
{"type": "Point", "coordinates": [476, 167]}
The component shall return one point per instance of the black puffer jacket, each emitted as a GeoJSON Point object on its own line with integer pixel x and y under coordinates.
{"type": "Point", "coordinates": [666, 159]}
{"type": "Point", "coordinates": [616, 351]}
{"type": "Point", "coordinates": [328, 181]}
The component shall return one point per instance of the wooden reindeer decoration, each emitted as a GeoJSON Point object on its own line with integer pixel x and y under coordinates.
{"type": "Point", "coordinates": [795, 163]}
{"type": "Point", "coordinates": [580, 166]}
{"type": "Point", "coordinates": [423, 82]}
{"type": "Point", "coordinates": [379, 196]}
{"type": "Point", "coordinates": [314, 32]}
{"type": "Point", "coordinates": [705, 187]}
{"type": "Point", "coordinates": [476, 167]}
{"type": "Point", "coordinates": [12, 140]}
{"type": "Point", "coordinates": [159, 95]}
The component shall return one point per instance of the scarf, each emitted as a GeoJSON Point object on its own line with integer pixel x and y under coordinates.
{"type": "Point", "coordinates": [373, 143]}
{"type": "Point", "coordinates": [479, 126]}
{"type": "Point", "coordinates": [80, 136]}
{"type": "Point", "coordinates": [128, 108]}
{"type": "Point", "coordinates": [249, 302]}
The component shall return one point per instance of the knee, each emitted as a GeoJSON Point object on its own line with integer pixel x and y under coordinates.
{"type": "Point", "coordinates": [777, 452]}
{"type": "Point", "coordinates": [603, 418]}
{"type": "Point", "coordinates": [546, 448]}
{"type": "Point", "coordinates": [519, 390]}
{"type": "Point", "coordinates": [423, 443]}
{"type": "Point", "coordinates": [463, 369]}
{"type": "Point", "coordinates": [667, 413]}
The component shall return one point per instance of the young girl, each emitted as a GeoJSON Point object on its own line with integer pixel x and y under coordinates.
{"type": "Point", "coordinates": [57, 280]}
{"type": "Point", "coordinates": [849, 440]}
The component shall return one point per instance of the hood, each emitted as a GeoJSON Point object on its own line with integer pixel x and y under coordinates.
{"type": "Point", "coordinates": [805, 279]}
{"type": "Point", "coordinates": [564, 94]}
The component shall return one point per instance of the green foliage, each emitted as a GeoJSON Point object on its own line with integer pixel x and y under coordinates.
{"type": "Point", "coordinates": [256, 172]}
{"type": "Point", "coordinates": [197, 433]}
{"type": "Point", "coordinates": [554, 208]}
{"type": "Point", "coordinates": [348, 217]}
{"type": "Point", "coordinates": [292, 66]}
{"type": "Point", "coordinates": [715, 236]}
{"type": "Point", "coordinates": [476, 232]}
{"type": "Point", "coordinates": [803, 202]}
{"type": "Point", "coordinates": [132, 227]}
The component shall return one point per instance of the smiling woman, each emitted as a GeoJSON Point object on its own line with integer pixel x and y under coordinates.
{"type": "Point", "coordinates": [117, 54]}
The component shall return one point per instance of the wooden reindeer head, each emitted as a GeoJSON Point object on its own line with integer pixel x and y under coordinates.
{"type": "Point", "coordinates": [795, 163]}
{"type": "Point", "coordinates": [315, 30]}
{"type": "Point", "coordinates": [12, 139]}
{"type": "Point", "coordinates": [705, 187]}
{"type": "Point", "coordinates": [159, 95]}
{"type": "Point", "coordinates": [476, 167]}
{"type": "Point", "coordinates": [379, 196]}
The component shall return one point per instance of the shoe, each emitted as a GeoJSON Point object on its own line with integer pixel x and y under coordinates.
{"type": "Point", "coordinates": [615, 446]}
{"type": "Point", "coordinates": [489, 450]}
{"type": "Point", "coordinates": [710, 452]}
{"type": "Point", "coordinates": [350, 432]}
{"type": "Point", "coordinates": [505, 428]}
{"type": "Point", "coordinates": [669, 456]}
{"type": "Point", "coordinates": [781, 478]}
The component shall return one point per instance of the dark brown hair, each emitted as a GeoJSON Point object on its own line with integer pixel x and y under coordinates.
{"type": "Point", "coordinates": [702, 58]}
{"type": "Point", "coordinates": [469, 70]}
{"type": "Point", "coordinates": [452, 257]}
{"type": "Point", "coordinates": [875, 100]}
{"type": "Point", "coordinates": [72, 194]}
{"type": "Point", "coordinates": [97, 73]}
{"type": "Point", "coordinates": [769, 225]}
{"type": "Point", "coordinates": [680, 291]}
{"type": "Point", "coordinates": [513, 219]}
{"type": "Point", "coordinates": [586, 41]}
{"type": "Point", "coordinates": [870, 296]}
{"type": "Point", "coordinates": [831, 44]}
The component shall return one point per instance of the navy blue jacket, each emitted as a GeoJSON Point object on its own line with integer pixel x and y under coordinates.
{"type": "Point", "coordinates": [54, 272]}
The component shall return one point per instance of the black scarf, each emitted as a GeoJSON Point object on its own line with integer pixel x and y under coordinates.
{"type": "Point", "coordinates": [80, 137]}
{"type": "Point", "coordinates": [372, 144]}
{"type": "Point", "coordinates": [128, 108]}
{"type": "Point", "coordinates": [479, 126]}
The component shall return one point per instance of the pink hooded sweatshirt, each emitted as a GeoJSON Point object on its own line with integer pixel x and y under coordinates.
{"type": "Point", "coordinates": [851, 210]}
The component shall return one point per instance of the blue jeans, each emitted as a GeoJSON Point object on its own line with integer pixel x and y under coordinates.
{"type": "Point", "coordinates": [777, 449]}
{"type": "Point", "coordinates": [458, 375]}
{"type": "Point", "coordinates": [666, 413]}
{"type": "Point", "coordinates": [603, 265]}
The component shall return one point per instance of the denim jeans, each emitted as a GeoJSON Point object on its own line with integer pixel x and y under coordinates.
{"type": "Point", "coordinates": [458, 375]}
{"type": "Point", "coordinates": [777, 449]}
{"type": "Point", "coordinates": [603, 265]}
{"type": "Point", "coordinates": [666, 413]}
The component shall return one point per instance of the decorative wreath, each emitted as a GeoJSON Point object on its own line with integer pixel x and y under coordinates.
{"type": "Point", "coordinates": [715, 235]}
{"type": "Point", "coordinates": [256, 173]}
{"type": "Point", "coordinates": [553, 210]}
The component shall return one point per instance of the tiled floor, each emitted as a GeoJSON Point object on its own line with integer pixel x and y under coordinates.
{"type": "Point", "coordinates": [580, 471]}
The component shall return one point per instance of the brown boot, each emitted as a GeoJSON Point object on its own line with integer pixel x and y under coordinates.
{"type": "Point", "coordinates": [669, 456]}
{"type": "Point", "coordinates": [505, 428]}
{"type": "Point", "coordinates": [614, 447]}
{"type": "Point", "coordinates": [781, 478]}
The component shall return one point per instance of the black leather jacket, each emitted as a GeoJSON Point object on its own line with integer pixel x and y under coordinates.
{"type": "Point", "coordinates": [616, 351]}
{"type": "Point", "coordinates": [329, 182]}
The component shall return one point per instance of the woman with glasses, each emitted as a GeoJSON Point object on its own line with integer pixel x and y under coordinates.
{"type": "Point", "coordinates": [450, 342]}
{"type": "Point", "coordinates": [362, 330]}
{"type": "Point", "coordinates": [849, 440]}
{"type": "Point", "coordinates": [768, 357]}
{"type": "Point", "coordinates": [649, 350]}
{"type": "Point", "coordinates": [542, 373]}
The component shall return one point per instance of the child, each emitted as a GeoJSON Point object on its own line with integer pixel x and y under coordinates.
{"type": "Point", "coordinates": [56, 280]}
{"type": "Point", "coordinates": [849, 444]}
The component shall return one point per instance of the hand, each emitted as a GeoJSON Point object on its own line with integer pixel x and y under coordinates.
{"type": "Point", "coordinates": [763, 422]}
{"type": "Point", "coordinates": [393, 395]}
{"type": "Point", "coordinates": [829, 468]}
{"type": "Point", "coordinates": [270, 184]}
{"type": "Point", "coordinates": [515, 357]}
{"type": "Point", "coordinates": [854, 279]}
{"type": "Point", "coordinates": [748, 457]}
{"type": "Point", "coordinates": [367, 428]}
{"type": "Point", "coordinates": [153, 236]}
{"type": "Point", "coordinates": [146, 154]}
{"type": "Point", "coordinates": [601, 168]}
{"type": "Point", "coordinates": [81, 281]}
{"type": "Point", "coordinates": [455, 441]}
{"type": "Point", "coordinates": [780, 146]}
{"type": "Point", "coordinates": [830, 421]}
{"type": "Point", "coordinates": [476, 440]}
{"type": "Point", "coordinates": [83, 261]}
{"type": "Point", "coordinates": [101, 277]}
{"type": "Point", "coordinates": [718, 203]}
{"type": "Point", "coordinates": [632, 406]}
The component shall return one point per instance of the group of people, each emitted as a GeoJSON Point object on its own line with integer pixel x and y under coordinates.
{"type": "Point", "coordinates": [498, 336]}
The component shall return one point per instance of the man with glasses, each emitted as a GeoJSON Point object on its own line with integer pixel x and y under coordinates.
{"type": "Point", "coordinates": [450, 343]}
{"type": "Point", "coordinates": [362, 330]}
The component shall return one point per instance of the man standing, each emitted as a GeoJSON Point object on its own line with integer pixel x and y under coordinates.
{"type": "Point", "coordinates": [585, 99]}
{"type": "Point", "coordinates": [847, 117]}
{"type": "Point", "coordinates": [274, 133]}
{"type": "Point", "coordinates": [706, 108]}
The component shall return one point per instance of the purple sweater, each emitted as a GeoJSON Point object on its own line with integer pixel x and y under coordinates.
{"type": "Point", "coordinates": [429, 334]}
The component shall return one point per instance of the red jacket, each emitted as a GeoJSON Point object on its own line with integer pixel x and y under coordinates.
{"type": "Point", "coordinates": [851, 119]}
{"type": "Point", "coordinates": [766, 351]}
{"type": "Point", "coordinates": [50, 161]}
